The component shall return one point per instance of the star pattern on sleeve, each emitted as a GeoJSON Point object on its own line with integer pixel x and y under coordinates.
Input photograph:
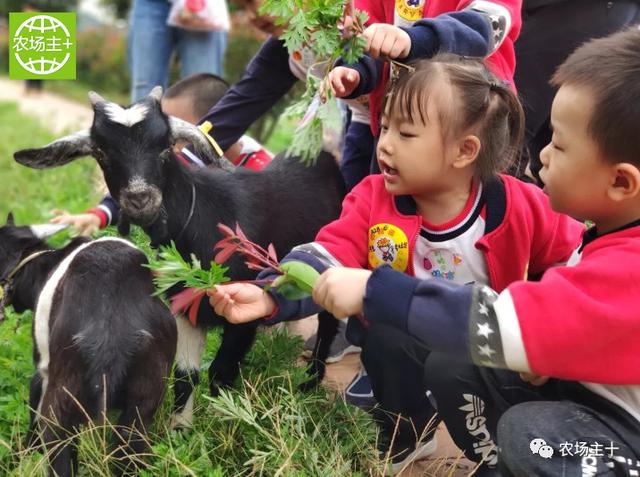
{"type": "Point", "coordinates": [484, 331]}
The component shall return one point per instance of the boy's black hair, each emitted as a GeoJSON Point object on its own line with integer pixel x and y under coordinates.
{"type": "Point", "coordinates": [204, 89]}
{"type": "Point", "coordinates": [609, 68]}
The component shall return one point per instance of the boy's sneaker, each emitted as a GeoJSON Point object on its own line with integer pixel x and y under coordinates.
{"type": "Point", "coordinates": [360, 392]}
{"type": "Point", "coordinates": [338, 349]}
{"type": "Point", "coordinates": [405, 457]}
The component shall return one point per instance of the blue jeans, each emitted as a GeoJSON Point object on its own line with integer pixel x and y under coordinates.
{"type": "Point", "coordinates": [152, 41]}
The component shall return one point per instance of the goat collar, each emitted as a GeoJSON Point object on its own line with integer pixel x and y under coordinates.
{"type": "Point", "coordinates": [191, 210]}
{"type": "Point", "coordinates": [5, 284]}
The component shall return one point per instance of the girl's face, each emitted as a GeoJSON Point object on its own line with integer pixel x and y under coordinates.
{"type": "Point", "coordinates": [414, 158]}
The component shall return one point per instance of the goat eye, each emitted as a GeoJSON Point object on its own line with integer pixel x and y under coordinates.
{"type": "Point", "coordinates": [99, 155]}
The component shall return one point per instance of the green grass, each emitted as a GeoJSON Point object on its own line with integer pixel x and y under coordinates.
{"type": "Point", "coordinates": [76, 90]}
{"type": "Point", "coordinates": [263, 426]}
{"type": "Point", "coordinates": [282, 135]}
{"type": "Point", "coordinates": [32, 194]}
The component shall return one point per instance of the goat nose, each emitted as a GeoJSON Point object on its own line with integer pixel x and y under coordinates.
{"type": "Point", "coordinates": [139, 199]}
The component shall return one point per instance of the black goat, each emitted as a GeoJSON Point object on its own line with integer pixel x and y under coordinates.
{"type": "Point", "coordinates": [100, 340]}
{"type": "Point", "coordinates": [285, 204]}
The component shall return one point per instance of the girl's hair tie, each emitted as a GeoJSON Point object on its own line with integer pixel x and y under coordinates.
{"type": "Point", "coordinates": [495, 85]}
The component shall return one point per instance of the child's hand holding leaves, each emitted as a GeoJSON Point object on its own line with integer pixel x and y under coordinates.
{"type": "Point", "coordinates": [241, 302]}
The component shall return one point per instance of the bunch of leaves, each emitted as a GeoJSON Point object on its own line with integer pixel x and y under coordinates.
{"type": "Point", "coordinates": [330, 30]}
{"type": "Point", "coordinates": [295, 280]}
{"type": "Point", "coordinates": [171, 269]}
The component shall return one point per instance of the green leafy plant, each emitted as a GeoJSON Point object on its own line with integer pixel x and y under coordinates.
{"type": "Point", "coordinates": [330, 31]}
{"type": "Point", "coordinates": [171, 269]}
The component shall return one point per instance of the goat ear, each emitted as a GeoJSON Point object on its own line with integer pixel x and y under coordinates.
{"type": "Point", "coordinates": [43, 231]}
{"type": "Point", "coordinates": [95, 98]}
{"type": "Point", "coordinates": [10, 220]}
{"type": "Point", "coordinates": [156, 93]}
{"type": "Point", "coordinates": [182, 131]}
{"type": "Point", "coordinates": [57, 153]}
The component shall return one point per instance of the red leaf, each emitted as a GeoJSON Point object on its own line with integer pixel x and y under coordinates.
{"type": "Point", "coordinates": [254, 266]}
{"type": "Point", "coordinates": [181, 301]}
{"type": "Point", "coordinates": [240, 233]}
{"type": "Point", "coordinates": [226, 230]}
{"type": "Point", "coordinates": [193, 311]}
{"type": "Point", "coordinates": [224, 254]}
{"type": "Point", "coordinates": [223, 242]}
{"type": "Point", "coordinates": [272, 252]}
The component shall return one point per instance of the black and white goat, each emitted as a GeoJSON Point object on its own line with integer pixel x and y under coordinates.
{"type": "Point", "coordinates": [285, 204]}
{"type": "Point", "coordinates": [100, 340]}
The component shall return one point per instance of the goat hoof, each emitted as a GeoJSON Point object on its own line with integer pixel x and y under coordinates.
{"type": "Point", "coordinates": [214, 389]}
{"type": "Point", "coordinates": [181, 423]}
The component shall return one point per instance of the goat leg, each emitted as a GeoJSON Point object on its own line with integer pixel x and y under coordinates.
{"type": "Point", "coordinates": [35, 393]}
{"type": "Point", "coordinates": [124, 225]}
{"type": "Point", "coordinates": [58, 434]}
{"type": "Point", "coordinates": [191, 341]}
{"type": "Point", "coordinates": [143, 396]}
{"type": "Point", "coordinates": [327, 331]}
{"type": "Point", "coordinates": [236, 342]}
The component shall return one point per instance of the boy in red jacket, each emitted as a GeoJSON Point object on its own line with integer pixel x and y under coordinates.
{"type": "Point", "coordinates": [575, 407]}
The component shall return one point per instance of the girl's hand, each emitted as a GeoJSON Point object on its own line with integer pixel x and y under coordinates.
{"type": "Point", "coordinates": [341, 291]}
{"type": "Point", "coordinates": [387, 40]}
{"type": "Point", "coordinates": [241, 302]}
{"type": "Point", "coordinates": [343, 81]}
{"type": "Point", "coordinates": [83, 224]}
{"type": "Point", "coordinates": [534, 379]}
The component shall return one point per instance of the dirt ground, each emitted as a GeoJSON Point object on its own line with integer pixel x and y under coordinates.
{"type": "Point", "coordinates": [63, 116]}
{"type": "Point", "coordinates": [56, 113]}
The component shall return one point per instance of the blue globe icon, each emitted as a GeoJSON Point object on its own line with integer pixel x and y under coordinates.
{"type": "Point", "coordinates": [43, 27]}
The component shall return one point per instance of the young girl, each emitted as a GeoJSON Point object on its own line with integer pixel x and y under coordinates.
{"type": "Point", "coordinates": [438, 210]}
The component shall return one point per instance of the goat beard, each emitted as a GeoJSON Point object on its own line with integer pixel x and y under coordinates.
{"type": "Point", "coordinates": [158, 230]}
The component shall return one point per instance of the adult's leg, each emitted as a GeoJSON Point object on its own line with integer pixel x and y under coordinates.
{"type": "Point", "coordinates": [150, 46]}
{"type": "Point", "coordinates": [549, 34]}
{"type": "Point", "coordinates": [395, 363]}
{"type": "Point", "coordinates": [201, 52]}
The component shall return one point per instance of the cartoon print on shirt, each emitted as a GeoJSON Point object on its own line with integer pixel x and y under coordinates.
{"type": "Point", "coordinates": [408, 11]}
{"type": "Point", "coordinates": [387, 249]}
{"type": "Point", "coordinates": [388, 245]}
{"type": "Point", "coordinates": [442, 263]}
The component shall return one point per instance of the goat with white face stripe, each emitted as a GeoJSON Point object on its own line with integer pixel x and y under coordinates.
{"type": "Point", "coordinates": [100, 340]}
{"type": "Point", "coordinates": [285, 204]}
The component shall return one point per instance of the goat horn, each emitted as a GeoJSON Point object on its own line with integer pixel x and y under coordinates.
{"type": "Point", "coordinates": [183, 131]}
{"type": "Point", "coordinates": [156, 93]}
{"type": "Point", "coordinates": [43, 231]}
{"type": "Point", "coordinates": [95, 98]}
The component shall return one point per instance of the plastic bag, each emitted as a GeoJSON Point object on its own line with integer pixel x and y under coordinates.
{"type": "Point", "coordinates": [199, 15]}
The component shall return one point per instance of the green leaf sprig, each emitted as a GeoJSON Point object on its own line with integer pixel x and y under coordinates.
{"type": "Point", "coordinates": [170, 269]}
{"type": "Point", "coordinates": [322, 27]}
